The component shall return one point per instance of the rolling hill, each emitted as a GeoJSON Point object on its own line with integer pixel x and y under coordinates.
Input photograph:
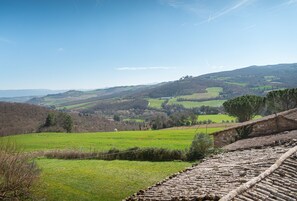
{"type": "Point", "coordinates": [19, 118]}
{"type": "Point", "coordinates": [256, 80]}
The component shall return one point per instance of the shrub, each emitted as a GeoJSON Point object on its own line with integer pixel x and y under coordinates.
{"type": "Point", "coordinates": [201, 145]}
{"type": "Point", "coordinates": [133, 154]}
{"type": "Point", "coordinates": [17, 173]}
{"type": "Point", "coordinates": [243, 132]}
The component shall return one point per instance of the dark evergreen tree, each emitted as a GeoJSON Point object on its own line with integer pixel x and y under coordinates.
{"type": "Point", "coordinates": [281, 100]}
{"type": "Point", "coordinates": [244, 107]}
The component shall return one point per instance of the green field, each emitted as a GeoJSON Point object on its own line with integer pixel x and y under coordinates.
{"type": "Point", "coordinates": [133, 120]}
{"type": "Point", "coordinates": [88, 180]}
{"type": "Point", "coordinates": [237, 83]}
{"type": "Point", "coordinates": [172, 139]}
{"type": "Point", "coordinates": [155, 103]}
{"type": "Point", "coordinates": [212, 92]}
{"type": "Point", "coordinates": [219, 118]}
{"type": "Point", "coordinates": [216, 118]}
{"type": "Point", "coordinates": [192, 104]}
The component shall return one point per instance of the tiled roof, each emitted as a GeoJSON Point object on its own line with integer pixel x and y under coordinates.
{"type": "Point", "coordinates": [215, 177]}
{"type": "Point", "coordinates": [279, 182]}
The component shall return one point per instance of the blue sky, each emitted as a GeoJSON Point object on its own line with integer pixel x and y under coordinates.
{"type": "Point", "coordinates": [87, 44]}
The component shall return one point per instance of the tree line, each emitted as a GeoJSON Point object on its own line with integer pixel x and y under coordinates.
{"type": "Point", "coordinates": [247, 107]}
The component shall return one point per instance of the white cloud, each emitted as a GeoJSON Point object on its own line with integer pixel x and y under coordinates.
{"type": "Point", "coordinates": [144, 68]}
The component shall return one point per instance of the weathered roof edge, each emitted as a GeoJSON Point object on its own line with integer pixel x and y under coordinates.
{"type": "Point", "coordinates": [252, 182]}
{"type": "Point", "coordinates": [257, 120]}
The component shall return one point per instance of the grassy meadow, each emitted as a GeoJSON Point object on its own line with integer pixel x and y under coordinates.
{"type": "Point", "coordinates": [88, 180]}
{"type": "Point", "coordinates": [211, 92]}
{"type": "Point", "coordinates": [155, 103]}
{"type": "Point", "coordinates": [199, 99]}
{"type": "Point", "coordinates": [192, 104]}
{"type": "Point", "coordinates": [101, 141]}
{"type": "Point", "coordinates": [80, 180]}
{"type": "Point", "coordinates": [219, 118]}
{"type": "Point", "coordinates": [216, 118]}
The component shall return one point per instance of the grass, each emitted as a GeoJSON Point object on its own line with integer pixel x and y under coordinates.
{"type": "Point", "coordinates": [217, 118]}
{"type": "Point", "coordinates": [134, 120]}
{"type": "Point", "coordinates": [79, 106]}
{"type": "Point", "coordinates": [212, 92]}
{"type": "Point", "coordinates": [77, 180]}
{"type": "Point", "coordinates": [192, 104]}
{"type": "Point", "coordinates": [101, 141]}
{"type": "Point", "coordinates": [223, 78]}
{"type": "Point", "coordinates": [155, 103]}
{"type": "Point", "coordinates": [237, 83]}
{"type": "Point", "coordinates": [84, 180]}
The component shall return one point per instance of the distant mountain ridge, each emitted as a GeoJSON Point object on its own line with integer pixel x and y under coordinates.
{"type": "Point", "coordinates": [256, 80]}
{"type": "Point", "coordinates": [27, 92]}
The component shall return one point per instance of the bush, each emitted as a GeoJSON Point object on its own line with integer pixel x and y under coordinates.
{"type": "Point", "coordinates": [202, 144]}
{"type": "Point", "coordinates": [133, 154]}
{"type": "Point", "coordinates": [17, 173]}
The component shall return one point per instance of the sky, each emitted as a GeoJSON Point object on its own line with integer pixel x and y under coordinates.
{"type": "Point", "coordinates": [89, 44]}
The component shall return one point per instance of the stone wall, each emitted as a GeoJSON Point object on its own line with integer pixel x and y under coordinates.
{"type": "Point", "coordinates": [269, 125]}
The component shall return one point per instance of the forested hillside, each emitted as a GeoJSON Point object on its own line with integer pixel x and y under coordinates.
{"type": "Point", "coordinates": [18, 118]}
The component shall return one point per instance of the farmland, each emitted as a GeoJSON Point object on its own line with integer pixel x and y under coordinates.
{"type": "Point", "coordinates": [171, 139]}
{"type": "Point", "coordinates": [192, 104]}
{"type": "Point", "coordinates": [193, 100]}
{"type": "Point", "coordinates": [87, 180]}
{"type": "Point", "coordinates": [212, 92]}
{"type": "Point", "coordinates": [216, 118]}
{"type": "Point", "coordinates": [220, 118]}
{"type": "Point", "coordinates": [97, 179]}
{"type": "Point", "coordinates": [155, 103]}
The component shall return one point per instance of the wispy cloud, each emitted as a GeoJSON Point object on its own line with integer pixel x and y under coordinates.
{"type": "Point", "coordinates": [5, 40]}
{"type": "Point", "coordinates": [144, 68]}
{"type": "Point", "coordinates": [203, 10]}
{"type": "Point", "coordinates": [172, 3]}
{"type": "Point", "coordinates": [227, 10]}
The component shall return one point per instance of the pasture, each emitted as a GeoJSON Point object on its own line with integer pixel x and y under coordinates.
{"type": "Point", "coordinates": [102, 141]}
{"type": "Point", "coordinates": [219, 118]}
{"type": "Point", "coordinates": [193, 100]}
{"type": "Point", "coordinates": [155, 103]}
{"type": "Point", "coordinates": [192, 104]}
{"type": "Point", "coordinates": [88, 180]}
{"type": "Point", "coordinates": [211, 92]}
{"type": "Point", "coordinates": [216, 118]}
